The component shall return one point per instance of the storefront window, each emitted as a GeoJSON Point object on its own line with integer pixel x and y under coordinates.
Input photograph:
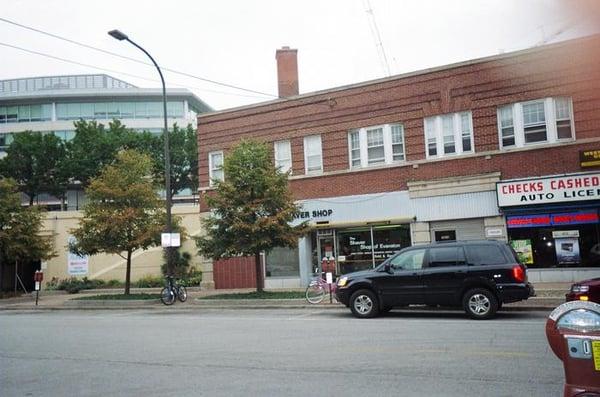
{"type": "Point", "coordinates": [282, 262]}
{"type": "Point", "coordinates": [545, 241]}
{"type": "Point", "coordinates": [366, 247]}
{"type": "Point", "coordinates": [355, 251]}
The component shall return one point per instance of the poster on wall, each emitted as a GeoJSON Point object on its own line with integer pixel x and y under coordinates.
{"type": "Point", "coordinates": [567, 250]}
{"type": "Point", "coordinates": [77, 265]}
{"type": "Point", "coordinates": [523, 250]}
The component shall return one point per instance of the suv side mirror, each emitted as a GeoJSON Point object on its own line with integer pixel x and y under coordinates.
{"type": "Point", "coordinates": [387, 268]}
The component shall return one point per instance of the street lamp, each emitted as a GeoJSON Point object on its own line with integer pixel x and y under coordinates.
{"type": "Point", "coordinates": [117, 34]}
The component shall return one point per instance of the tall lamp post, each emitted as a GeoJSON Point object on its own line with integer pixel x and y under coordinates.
{"type": "Point", "coordinates": [117, 34]}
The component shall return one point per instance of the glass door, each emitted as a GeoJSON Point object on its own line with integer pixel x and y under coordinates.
{"type": "Point", "coordinates": [324, 256]}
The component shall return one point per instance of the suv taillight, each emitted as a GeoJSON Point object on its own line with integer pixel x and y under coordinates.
{"type": "Point", "coordinates": [518, 274]}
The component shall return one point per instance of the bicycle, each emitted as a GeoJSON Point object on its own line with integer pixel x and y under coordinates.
{"type": "Point", "coordinates": [317, 289]}
{"type": "Point", "coordinates": [173, 291]}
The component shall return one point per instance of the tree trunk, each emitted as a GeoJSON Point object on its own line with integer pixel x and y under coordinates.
{"type": "Point", "coordinates": [260, 280]}
{"type": "Point", "coordinates": [31, 200]}
{"type": "Point", "coordinates": [128, 273]}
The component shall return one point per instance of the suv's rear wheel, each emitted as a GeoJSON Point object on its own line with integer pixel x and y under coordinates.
{"type": "Point", "coordinates": [364, 304]}
{"type": "Point", "coordinates": [480, 304]}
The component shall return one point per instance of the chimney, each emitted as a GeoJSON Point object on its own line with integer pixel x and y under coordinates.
{"type": "Point", "coordinates": [287, 72]}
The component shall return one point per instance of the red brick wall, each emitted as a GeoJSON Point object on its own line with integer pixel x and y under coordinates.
{"type": "Point", "coordinates": [237, 272]}
{"type": "Point", "coordinates": [565, 69]}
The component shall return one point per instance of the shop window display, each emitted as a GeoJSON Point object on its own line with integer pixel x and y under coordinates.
{"type": "Point", "coordinates": [366, 247]}
{"type": "Point", "coordinates": [564, 246]}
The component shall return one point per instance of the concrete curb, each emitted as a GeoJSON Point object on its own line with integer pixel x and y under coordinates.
{"type": "Point", "coordinates": [229, 304]}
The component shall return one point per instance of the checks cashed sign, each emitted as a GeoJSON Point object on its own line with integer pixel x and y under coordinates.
{"type": "Point", "coordinates": [581, 187]}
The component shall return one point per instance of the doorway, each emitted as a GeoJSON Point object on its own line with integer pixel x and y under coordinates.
{"type": "Point", "coordinates": [325, 248]}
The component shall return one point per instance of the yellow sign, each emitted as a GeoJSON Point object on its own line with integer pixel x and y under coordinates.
{"type": "Point", "coordinates": [589, 158]}
{"type": "Point", "coordinates": [596, 351]}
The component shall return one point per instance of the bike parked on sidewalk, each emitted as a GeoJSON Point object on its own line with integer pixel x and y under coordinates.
{"type": "Point", "coordinates": [172, 291]}
{"type": "Point", "coordinates": [318, 288]}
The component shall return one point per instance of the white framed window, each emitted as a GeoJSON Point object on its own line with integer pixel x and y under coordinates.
{"type": "Point", "coordinates": [448, 134]}
{"type": "Point", "coordinates": [547, 120]}
{"type": "Point", "coordinates": [313, 154]}
{"type": "Point", "coordinates": [283, 156]}
{"type": "Point", "coordinates": [215, 167]}
{"type": "Point", "coordinates": [375, 145]}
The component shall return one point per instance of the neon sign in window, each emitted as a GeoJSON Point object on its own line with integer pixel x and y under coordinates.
{"type": "Point", "coordinates": [563, 219]}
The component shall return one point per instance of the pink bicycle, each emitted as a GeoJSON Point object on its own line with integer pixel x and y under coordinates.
{"type": "Point", "coordinates": [317, 289]}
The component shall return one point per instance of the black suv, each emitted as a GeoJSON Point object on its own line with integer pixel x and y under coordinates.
{"type": "Point", "coordinates": [478, 275]}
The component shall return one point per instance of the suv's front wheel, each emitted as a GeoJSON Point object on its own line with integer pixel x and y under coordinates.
{"type": "Point", "coordinates": [364, 304]}
{"type": "Point", "coordinates": [480, 304]}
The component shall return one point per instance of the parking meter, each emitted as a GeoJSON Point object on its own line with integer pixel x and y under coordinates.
{"type": "Point", "coordinates": [573, 332]}
{"type": "Point", "coordinates": [38, 277]}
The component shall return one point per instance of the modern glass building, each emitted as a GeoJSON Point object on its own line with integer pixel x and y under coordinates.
{"type": "Point", "coordinates": [51, 104]}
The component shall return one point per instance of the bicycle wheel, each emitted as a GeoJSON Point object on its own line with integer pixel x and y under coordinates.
{"type": "Point", "coordinates": [315, 293]}
{"type": "Point", "coordinates": [181, 293]}
{"type": "Point", "coordinates": [167, 296]}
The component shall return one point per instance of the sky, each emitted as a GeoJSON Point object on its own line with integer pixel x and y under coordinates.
{"type": "Point", "coordinates": [339, 42]}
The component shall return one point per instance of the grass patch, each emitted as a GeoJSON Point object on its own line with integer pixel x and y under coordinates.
{"type": "Point", "coordinates": [119, 297]}
{"type": "Point", "coordinates": [260, 295]}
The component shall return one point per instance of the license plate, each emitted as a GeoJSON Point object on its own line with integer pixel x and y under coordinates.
{"type": "Point", "coordinates": [596, 354]}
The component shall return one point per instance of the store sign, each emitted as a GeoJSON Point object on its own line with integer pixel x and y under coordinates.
{"type": "Point", "coordinates": [565, 233]}
{"type": "Point", "coordinates": [306, 215]}
{"type": "Point", "coordinates": [589, 158]}
{"type": "Point", "coordinates": [564, 219]}
{"type": "Point", "coordinates": [76, 265]}
{"type": "Point", "coordinates": [549, 190]}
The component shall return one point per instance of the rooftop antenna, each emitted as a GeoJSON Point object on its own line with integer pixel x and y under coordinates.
{"type": "Point", "coordinates": [377, 37]}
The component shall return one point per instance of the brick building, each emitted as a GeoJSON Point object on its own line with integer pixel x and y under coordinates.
{"type": "Point", "coordinates": [500, 147]}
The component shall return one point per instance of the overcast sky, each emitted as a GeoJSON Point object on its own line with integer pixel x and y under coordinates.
{"type": "Point", "coordinates": [234, 41]}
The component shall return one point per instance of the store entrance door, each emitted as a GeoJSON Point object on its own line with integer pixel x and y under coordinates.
{"type": "Point", "coordinates": [326, 254]}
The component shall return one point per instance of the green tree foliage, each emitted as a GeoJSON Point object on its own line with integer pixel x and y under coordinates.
{"type": "Point", "coordinates": [93, 148]}
{"type": "Point", "coordinates": [251, 209]}
{"type": "Point", "coordinates": [36, 162]}
{"type": "Point", "coordinates": [123, 214]}
{"type": "Point", "coordinates": [20, 227]}
{"type": "Point", "coordinates": [183, 150]}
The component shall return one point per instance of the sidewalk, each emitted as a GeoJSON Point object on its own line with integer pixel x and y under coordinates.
{"type": "Point", "coordinates": [548, 296]}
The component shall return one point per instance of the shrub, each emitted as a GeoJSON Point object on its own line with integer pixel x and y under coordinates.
{"type": "Point", "coordinates": [52, 284]}
{"type": "Point", "coordinates": [73, 284]}
{"type": "Point", "coordinates": [150, 282]}
{"type": "Point", "coordinates": [193, 278]}
{"type": "Point", "coordinates": [181, 263]}
{"type": "Point", "coordinates": [114, 284]}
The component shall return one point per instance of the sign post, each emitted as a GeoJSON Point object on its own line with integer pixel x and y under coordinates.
{"type": "Point", "coordinates": [329, 279]}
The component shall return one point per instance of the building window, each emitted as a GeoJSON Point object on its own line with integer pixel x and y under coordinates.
{"type": "Point", "coordinates": [354, 144]}
{"type": "Point", "coordinates": [215, 167]}
{"type": "Point", "coordinates": [376, 145]}
{"type": "Point", "coordinates": [313, 156]}
{"type": "Point", "coordinates": [283, 156]}
{"type": "Point", "coordinates": [448, 135]}
{"type": "Point", "coordinates": [25, 113]}
{"type": "Point", "coordinates": [282, 262]}
{"type": "Point", "coordinates": [546, 120]}
{"type": "Point", "coordinates": [562, 111]}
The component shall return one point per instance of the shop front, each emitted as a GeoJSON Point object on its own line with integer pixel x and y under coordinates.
{"type": "Point", "coordinates": [346, 234]}
{"type": "Point", "coordinates": [554, 222]}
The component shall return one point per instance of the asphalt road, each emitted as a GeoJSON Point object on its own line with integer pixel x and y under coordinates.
{"type": "Point", "coordinates": [274, 353]}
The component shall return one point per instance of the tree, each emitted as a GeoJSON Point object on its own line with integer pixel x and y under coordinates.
{"type": "Point", "coordinates": [251, 209]}
{"type": "Point", "coordinates": [123, 213]}
{"type": "Point", "coordinates": [92, 148]}
{"type": "Point", "coordinates": [20, 227]}
{"type": "Point", "coordinates": [36, 162]}
{"type": "Point", "coordinates": [183, 150]}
